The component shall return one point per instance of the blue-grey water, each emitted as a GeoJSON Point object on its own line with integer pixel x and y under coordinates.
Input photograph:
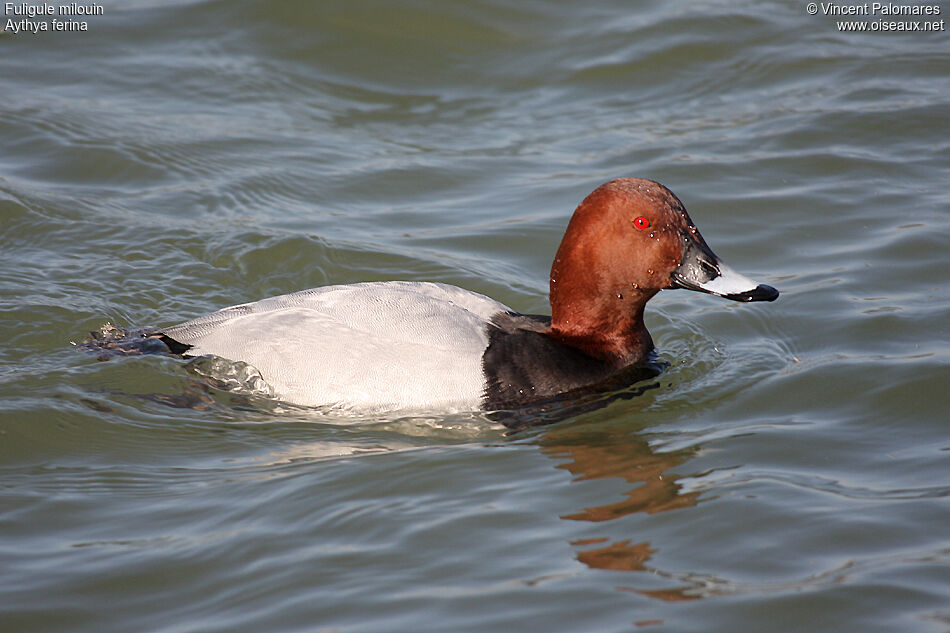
{"type": "Point", "coordinates": [790, 471]}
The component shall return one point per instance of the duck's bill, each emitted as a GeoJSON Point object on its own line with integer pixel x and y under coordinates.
{"type": "Point", "coordinates": [702, 271]}
{"type": "Point", "coordinates": [729, 284]}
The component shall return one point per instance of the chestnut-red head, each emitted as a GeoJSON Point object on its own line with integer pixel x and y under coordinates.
{"type": "Point", "coordinates": [627, 240]}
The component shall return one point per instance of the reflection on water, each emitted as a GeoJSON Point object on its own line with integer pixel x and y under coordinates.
{"type": "Point", "coordinates": [618, 453]}
{"type": "Point", "coordinates": [618, 556]}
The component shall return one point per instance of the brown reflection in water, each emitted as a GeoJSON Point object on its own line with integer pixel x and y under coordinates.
{"type": "Point", "coordinates": [667, 595]}
{"type": "Point", "coordinates": [621, 454]}
{"type": "Point", "coordinates": [619, 556]}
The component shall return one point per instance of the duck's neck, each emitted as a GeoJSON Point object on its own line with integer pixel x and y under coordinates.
{"type": "Point", "coordinates": [603, 322]}
{"type": "Point", "coordinates": [595, 307]}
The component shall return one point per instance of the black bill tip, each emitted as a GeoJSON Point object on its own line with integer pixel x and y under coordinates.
{"type": "Point", "coordinates": [761, 292]}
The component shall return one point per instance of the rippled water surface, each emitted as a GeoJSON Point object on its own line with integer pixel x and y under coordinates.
{"type": "Point", "coordinates": [789, 471]}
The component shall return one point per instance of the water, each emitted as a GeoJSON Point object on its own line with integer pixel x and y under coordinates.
{"type": "Point", "coordinates": [789, 471]}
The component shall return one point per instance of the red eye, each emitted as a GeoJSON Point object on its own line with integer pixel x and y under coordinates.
{"type": "Point", "coordinates": [641, 223]}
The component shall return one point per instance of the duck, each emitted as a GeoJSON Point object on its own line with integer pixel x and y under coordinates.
{"type": "Point", "coordinates": [395, 346]}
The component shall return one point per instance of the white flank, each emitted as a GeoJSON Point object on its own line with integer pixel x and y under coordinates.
{"type": "Point", "coordinates": [382, 346]}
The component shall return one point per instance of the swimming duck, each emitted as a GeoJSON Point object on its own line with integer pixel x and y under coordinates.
{"type": "Point", "coordinates": [406, 345]}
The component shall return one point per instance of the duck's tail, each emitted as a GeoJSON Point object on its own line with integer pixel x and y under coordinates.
{"type": "Point", "coordinates": [110, 341]}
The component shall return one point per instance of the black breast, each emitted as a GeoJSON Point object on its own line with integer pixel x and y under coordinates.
{"type": "Point", "coordinates": [524, 366]}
